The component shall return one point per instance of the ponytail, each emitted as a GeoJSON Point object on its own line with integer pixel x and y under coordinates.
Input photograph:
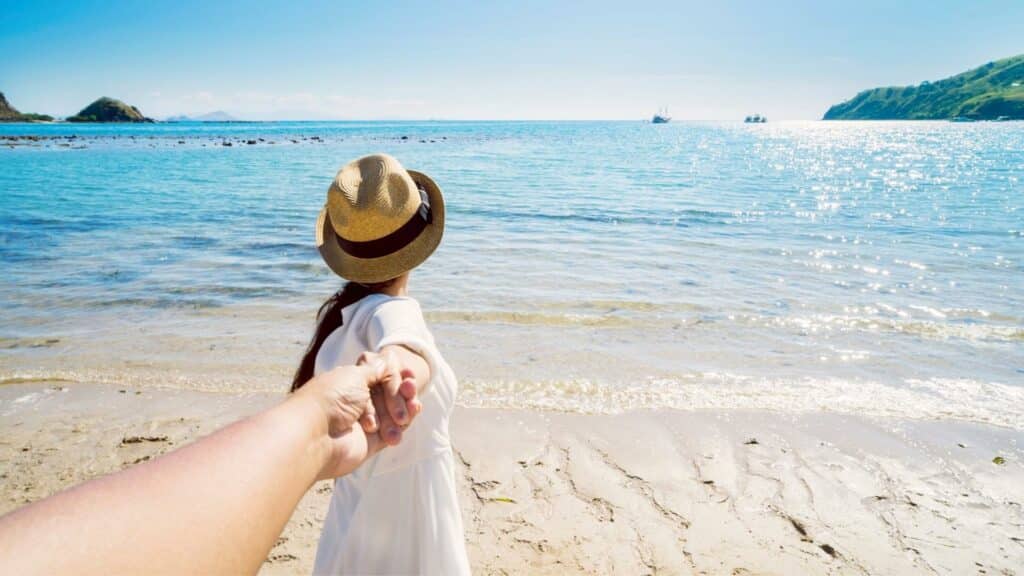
{"type": "Point", "coordinates": [328, 319]}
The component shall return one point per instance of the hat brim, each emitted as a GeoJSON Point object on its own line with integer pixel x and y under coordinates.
{"type": "Point", "coordinates": [373, 270]}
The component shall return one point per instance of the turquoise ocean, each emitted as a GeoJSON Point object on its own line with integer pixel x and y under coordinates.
{"type": "Point", "coordinates": [872, 268]}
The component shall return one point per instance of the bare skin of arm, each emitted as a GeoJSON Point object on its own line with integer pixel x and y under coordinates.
{"type": "Point", "coordinates": [413, 376]}
{"type": "Point", "coordinates": [213, 507]}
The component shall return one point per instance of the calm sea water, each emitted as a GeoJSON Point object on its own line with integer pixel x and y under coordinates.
{"type": "Point", "coordinates": [857, 267]}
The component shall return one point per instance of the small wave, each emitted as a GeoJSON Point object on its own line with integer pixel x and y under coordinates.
{"type": "Point", "coordinates": [34, 379]}
{"type": "Point", "coordinates": [196, 297]}
{"type": "Point", "coordinates": [12, 343]}
{"type": "Point", "coordinates": [592, 313]}
{"type": "Point", "coordinates": [20, 255]}
{"type": "Point", "coordinates": [37, 224]}
{"type": "Point", "coordinates": [991, 403]}
{"type": "Point", "coordinates": [678, 218]}
{"type": "Point", "coordinates": [314, 268]}
{"type": "Point", "coordinates": [279, 247]}
{"type": "Point", "coordinates": [230, 291]}
{"type": "Point", "coordinates": [161, 380]}
{"type": "Point", "coordinates": [940, 398]}
{"type": "Point", "coordinates": [528, 318]}
{"type": "Point", "coordinates": [195, 241]}
{"type": "Point", "coordinates": [159, 303]}
{"type": "Point", "coordinates": [932, 329]}
{"type": "Point", "coordinates": [616, 305]}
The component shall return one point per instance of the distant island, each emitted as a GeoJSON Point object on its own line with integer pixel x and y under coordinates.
{"type": "Point", "coordinates": [994, 91]}
{"type": "Point", "coordinates": [215, 116]}
{"type": "Point", "coordinates": [9, 113]}
{"type": "Point", "coordinates": [109, 110]}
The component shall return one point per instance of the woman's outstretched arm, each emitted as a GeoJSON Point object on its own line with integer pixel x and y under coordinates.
{"type": "Point", "coordinates": [213, 507]}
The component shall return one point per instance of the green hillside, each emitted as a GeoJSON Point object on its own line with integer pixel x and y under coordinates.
{"type": "Point", "coordinates": [984, 93]}
{"type": "Point", "coordinates": [9, 113]}
{"type": "Point", "coordinates": [109, 110]}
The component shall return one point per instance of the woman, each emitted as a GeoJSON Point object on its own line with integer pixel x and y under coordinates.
{"type": "Point", "coordinates": [398, 513]}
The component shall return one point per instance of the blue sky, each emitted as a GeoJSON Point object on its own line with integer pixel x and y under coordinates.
{"type": "Point", "coordinates": [488, 60]}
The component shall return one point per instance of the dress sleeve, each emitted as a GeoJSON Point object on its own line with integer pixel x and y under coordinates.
{"type": "Point", "coordinates": [400, 323]}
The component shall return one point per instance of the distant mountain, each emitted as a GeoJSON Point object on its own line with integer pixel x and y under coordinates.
{"type": "Point", "coordinates": [216, 116]}
{"type": "Point", "coordinates": [984, 93]}
{"type": "Point", "coordinates": [109, 110]}
{"type": "Point", "coordinates": [9, 113]}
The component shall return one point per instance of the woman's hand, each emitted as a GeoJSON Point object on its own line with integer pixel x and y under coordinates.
{"type": "Point", "coordinates": [395, 404]}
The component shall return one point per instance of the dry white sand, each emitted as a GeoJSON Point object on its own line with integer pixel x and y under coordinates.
{"type": "Point", "coordinates": [643, 492]}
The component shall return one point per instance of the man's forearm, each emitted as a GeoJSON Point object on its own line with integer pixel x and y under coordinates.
{"type": "Point", "coordinates": [173, 514]}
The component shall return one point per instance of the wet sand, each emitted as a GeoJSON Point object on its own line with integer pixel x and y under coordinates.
{"type": "Point", "coordinates": [712, 492]}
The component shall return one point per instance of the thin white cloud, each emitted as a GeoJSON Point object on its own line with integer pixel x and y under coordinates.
{"type": "Point", "coordinates": [259, 105]}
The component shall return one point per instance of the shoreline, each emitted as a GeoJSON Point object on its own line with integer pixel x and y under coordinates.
{"type": "Point", "coordinates": [710, 491]}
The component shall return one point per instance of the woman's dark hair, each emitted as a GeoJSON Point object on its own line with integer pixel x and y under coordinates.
{"type": "Point", "coordinates": [327, 320]}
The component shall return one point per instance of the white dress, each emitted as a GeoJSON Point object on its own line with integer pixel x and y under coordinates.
{"type": "Point", "coordinates": [398, 513]}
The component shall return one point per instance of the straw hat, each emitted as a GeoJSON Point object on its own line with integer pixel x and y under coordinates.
{"type": "Point", "coordinates": [380, 220]}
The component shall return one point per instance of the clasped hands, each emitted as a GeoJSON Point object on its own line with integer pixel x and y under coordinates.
{"type": "Point", "coordinates": [232, 490]}
{"type": "Point", "coordinates": [362, 409]}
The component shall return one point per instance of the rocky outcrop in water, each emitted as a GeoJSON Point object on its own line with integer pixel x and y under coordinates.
{"type": "Point", "coordinates": [109, 110]}
{"type": "Point", "coordinates": [9, 113]}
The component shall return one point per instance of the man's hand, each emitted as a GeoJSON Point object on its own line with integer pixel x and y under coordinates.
{"type": "Point", "coordinates": [378, 394]}
{"type": "Point", "coordinates": [342, 398]}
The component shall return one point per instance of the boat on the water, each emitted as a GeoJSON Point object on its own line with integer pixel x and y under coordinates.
{"type": "Point", "coordinates": [961, 119]}
{"type": "Point", "coordinates": [756, 119]}
{"type": "Point", "coordinates": [661, 117]}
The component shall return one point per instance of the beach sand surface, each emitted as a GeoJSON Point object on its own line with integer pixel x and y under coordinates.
{"type": "Point", "coordinates": [658, 492]}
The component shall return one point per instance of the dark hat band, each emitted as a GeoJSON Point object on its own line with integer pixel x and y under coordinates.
{"type": "Point", "coordinates": [395, 241]}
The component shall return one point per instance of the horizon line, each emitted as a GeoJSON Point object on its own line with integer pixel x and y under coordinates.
{"type": "Point", "coordinates": [168, 120]}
